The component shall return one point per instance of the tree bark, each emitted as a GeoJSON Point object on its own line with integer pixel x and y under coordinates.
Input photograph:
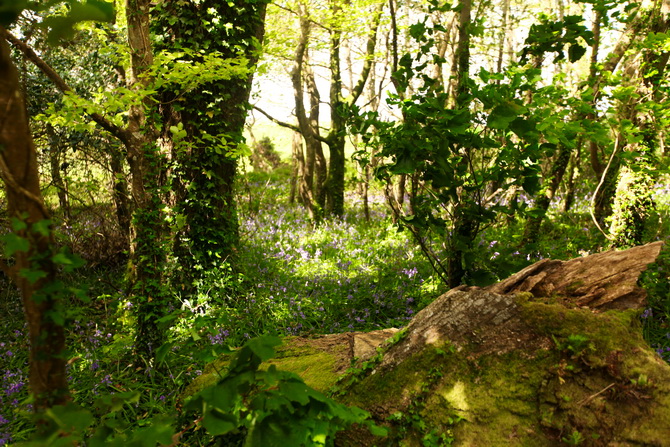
{"type": "Point", "coordinates": [339, 104]}
{"type": "Point", "coordinates": [55, 163]}
{"type": "Point", "coordinates": [465, 227]}
{"type": "Point", "coordinates": [19, 171]}
{"type": "Point", "coordinates": [301, 77]}
{"type": "Point", "coordinates": [532, 231]}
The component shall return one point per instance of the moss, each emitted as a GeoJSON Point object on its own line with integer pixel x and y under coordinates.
{"type": "Point", "coordinates": [391, 388]}
{"type": "Point", "coordinates": [317, 367]}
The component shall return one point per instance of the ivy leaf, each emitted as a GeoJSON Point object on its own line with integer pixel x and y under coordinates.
{"type": "Point", "coordinates": [15, 243]}
{"type": "Point", "coordinates": [32, 275]}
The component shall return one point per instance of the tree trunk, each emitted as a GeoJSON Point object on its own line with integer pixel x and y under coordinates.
{"type": "Point", "coordinates": [148, 250]}
{"type": "Point", "coordinates": [298, 162]}
{"type": "Point", "coordinates": [208, 203]}
{"type": "Point", "coordinates": [465, 227]}
{"type": "Point", "coordinates": [120, 192]}
{"type": "Point", "coordinates": [503, 35]}
{"type": "Point", "coordinates": [633, 203]}
{"type": "Point", "coordinates": [534, 223]}
{"type": "Point", "coordinates": [303, 78]}
{"type": "Point", "coordinates": [56, 167]}
{"type": "Point", "coordinates": [34, 271]}
{"type": "Point", "coordinates": [336, 138]}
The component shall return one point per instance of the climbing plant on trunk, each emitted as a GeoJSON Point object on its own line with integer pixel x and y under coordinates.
{"type": "Point", "coordinates": [212, 116]}
{"type": "Point", "coordinates": [642, 99]}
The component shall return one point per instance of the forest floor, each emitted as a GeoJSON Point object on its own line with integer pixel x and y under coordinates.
{"type": "Point", "coordinates": [348, 274]}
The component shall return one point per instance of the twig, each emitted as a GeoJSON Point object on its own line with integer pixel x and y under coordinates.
{"type": "Point", "coordinates": [593, 396]}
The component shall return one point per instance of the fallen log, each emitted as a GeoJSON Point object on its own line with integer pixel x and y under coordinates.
{"type": "Point", "coordinates": [554, 355]}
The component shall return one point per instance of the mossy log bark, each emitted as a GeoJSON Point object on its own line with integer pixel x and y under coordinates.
{"type": "Point", "coordinates": [555, 356]}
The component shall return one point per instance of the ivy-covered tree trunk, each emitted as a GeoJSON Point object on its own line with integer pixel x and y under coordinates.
{"type": "Point", "coordinates": [213, 115]}
{"type": "Point", "coordinates": [633, 203]}
{"type": "Point", "coordinates": [31, 244]}
{"type": "Point", "coordinates": [148, 250]}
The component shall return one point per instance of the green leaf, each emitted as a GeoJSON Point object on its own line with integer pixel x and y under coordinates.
{"type": "Point", "coordinates": [163, 351]}
{"type": "Point", "coordinates": [417, 31]}
{"type": "Point", "coordinates": [19, 224]}
{"type": "Point", "coordinates": [404, 165]}
{"type": "Point", "coordinates": [575, 52]}
{"type": "Point", "coordinates": [377, 430]}
{"type": "Point", "coordinates": [297, 391]}
{"type": "Point", "coordinates": [15, 243]}
{"type": "Point", "coordinates": [263, 346]}
{"type": "Point", "coordinates": [10, 10]}
{"type": "Point", "coordinates": [69, 260]}
{"type": "Point", "coordinates": [218, 423]}
{"type": "Point", "coordinates": [32, 275]}
{"type": "Point", "coordinates": [43, 227]}
{"type": "Point", "coordinates": [194, 334]}
{"type": "Point", "coordinates": [501, 116]}
{"type": "Point", "coordinates": [62, 27]}
{"type": "Point", "coordinates": [523, 127]}
{"type": "Point", "coordinates": [158, 431]}
{"type": "Point", "coordinates": [70, 417]}
{"type": "Point", "coordinates": [484, 75]}
{"type": "Point", "coordinates": [115, 402]}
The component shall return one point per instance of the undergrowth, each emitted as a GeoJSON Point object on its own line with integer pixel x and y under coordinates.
{"type": "Point", "coordinates": [291, 278]}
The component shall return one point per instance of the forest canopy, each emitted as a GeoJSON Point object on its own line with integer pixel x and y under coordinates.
{"type": "Point", "coordinates": [186, 177]}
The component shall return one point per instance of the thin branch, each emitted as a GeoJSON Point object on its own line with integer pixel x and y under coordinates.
{"type": "Point", "coordinates": [595, 193]}
{"type": "Point", "coordinates": [293, 127]}
{"type": "Point", "coordinates": [49, 72]}
{"type": "Point", "coordinates": [369, 55]}
{"type": "Point", "coordinates": [295, 13]}
{"type": "Point", "coordinates": [7, 176]}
